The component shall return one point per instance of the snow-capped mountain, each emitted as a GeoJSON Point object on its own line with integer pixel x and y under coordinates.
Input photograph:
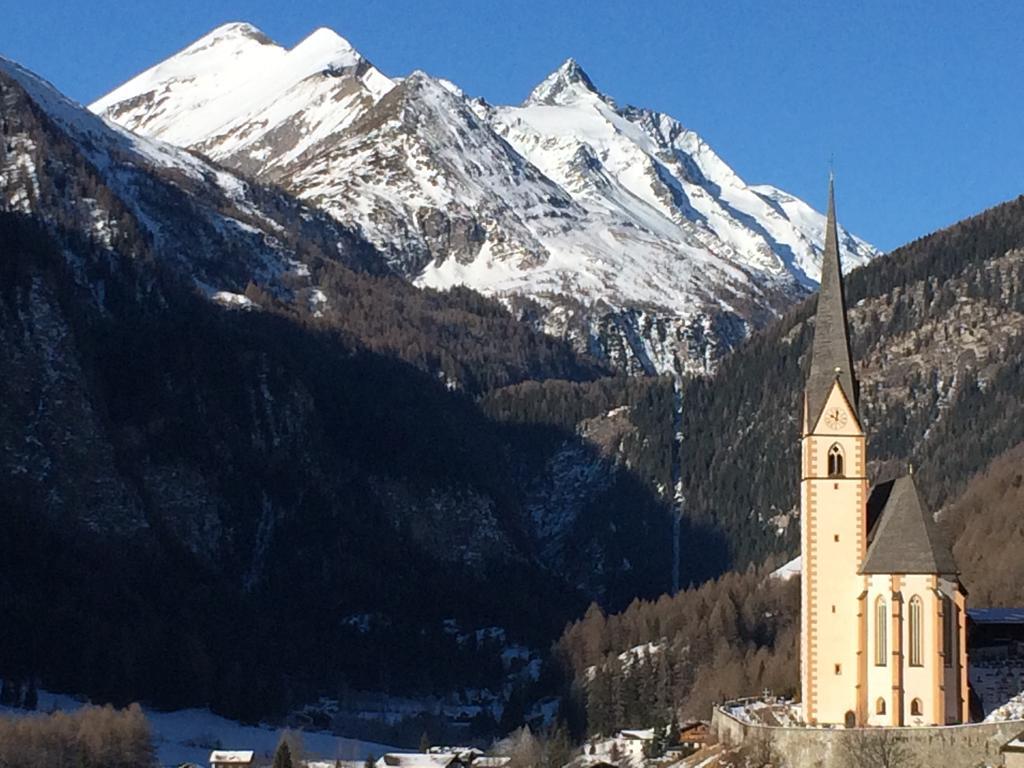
{"type": "Point", "coordinates": [194, 216]}
{"type": "Point", "coordinates": [614, 226]}
{"type": "Point", "coordinates": [245, 101]}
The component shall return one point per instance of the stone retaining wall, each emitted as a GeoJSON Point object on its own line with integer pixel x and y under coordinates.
{"type": "Point", "coordinates": [951, 746]}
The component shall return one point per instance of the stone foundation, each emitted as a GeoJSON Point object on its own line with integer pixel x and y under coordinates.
{"type": "Point", "coordinates": [951, 746]}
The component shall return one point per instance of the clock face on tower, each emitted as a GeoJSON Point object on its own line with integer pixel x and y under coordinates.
{"type": "Point", "coordinates": [835, 418]}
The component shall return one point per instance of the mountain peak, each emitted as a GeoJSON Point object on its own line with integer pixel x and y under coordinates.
{"type": "Point", "coordinates": [565, 84]}
{"type": "Point", "coordinates": [232, 31]}
{"type": "Point", "coordinates": [328, 48]}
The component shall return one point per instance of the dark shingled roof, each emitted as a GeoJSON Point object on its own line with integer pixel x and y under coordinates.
{"type": "Point", "coordinates": [831, 349]}
{"type": "Point", "coordinates": [906, 538]}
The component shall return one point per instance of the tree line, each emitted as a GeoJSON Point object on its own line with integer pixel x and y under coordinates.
{"type": "Point", "coordinates": [89, 737]}
{"type": "Point", "coordinates": [678, 655]}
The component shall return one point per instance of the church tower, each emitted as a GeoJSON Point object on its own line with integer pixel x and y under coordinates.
{"type": "Point", "coordinates": [833, 505]}
{"type": "Point", "coordinates": [883, 613]}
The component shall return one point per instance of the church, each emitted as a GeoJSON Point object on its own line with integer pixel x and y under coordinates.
{"type": "Point", "coordinates": [883, 613]}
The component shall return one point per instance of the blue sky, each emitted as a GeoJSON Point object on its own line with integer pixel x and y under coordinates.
{"type": "Point", "coordinates": [918, 102]}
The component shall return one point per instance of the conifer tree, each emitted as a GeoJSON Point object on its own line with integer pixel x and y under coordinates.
{"type": "Point", "coordinates": [283, 755]}
{"type": "Point", "coordinates": [599, 702]}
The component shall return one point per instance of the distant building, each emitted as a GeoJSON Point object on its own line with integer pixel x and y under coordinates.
{"type": "Point", "coordinates": [231, 758]}
{"type": "Point", "coordinates": [883, 613]}
{"type": "Point", "coordinates": [420, 760]}
{"type": "Point", "coordinates": [693, 735]}
{"type": "Point", "coordinates": [491, 762]}
{"type": "Point", "coordinates": [633, 744]}
{"type": "Point", "coordinates": [996, 632]}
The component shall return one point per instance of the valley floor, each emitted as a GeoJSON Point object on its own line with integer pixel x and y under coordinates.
{"type": "Point", "coordinates": [189, 735]}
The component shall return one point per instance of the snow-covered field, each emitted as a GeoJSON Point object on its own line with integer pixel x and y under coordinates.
{"type": "Point", "coordinates": [188, 735]}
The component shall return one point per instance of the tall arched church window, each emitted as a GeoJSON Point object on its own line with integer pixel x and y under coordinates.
{"type": "Point", "coordinates": [881, 629]}
{"type": "Point", "coordinates": [947, 631]}
{"type": "Point", "coordinates": [836, 461]}
{"type": "Point", "coordinates": [916, 611]}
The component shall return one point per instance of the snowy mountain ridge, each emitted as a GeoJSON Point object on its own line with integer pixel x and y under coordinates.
{"type": "Point", "coordinates": [616, 227]}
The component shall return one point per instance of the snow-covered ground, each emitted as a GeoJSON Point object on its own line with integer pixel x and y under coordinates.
{"type": "Point", "coordinates": [778, 712]}
{"type": "Point", "coordinates": [999, 684]}
{"type": "Point", "coordinates": [189, 735]}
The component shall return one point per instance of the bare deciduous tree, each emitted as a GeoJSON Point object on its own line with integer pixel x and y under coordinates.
{"type": "Point", "coordinates": [881, 748]}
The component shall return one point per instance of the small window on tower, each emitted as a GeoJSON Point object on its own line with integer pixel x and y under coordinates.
{"type": "Point", "coordinates": [836, 537]}
{"type": "Point", "coordinates": [835, 461]}
{"type": "Point", "coordinates": [880, 707]}
{"type": "Point", "coordinates": [916, 708]}
{"type": "Point", "coordinates": [839, 669]}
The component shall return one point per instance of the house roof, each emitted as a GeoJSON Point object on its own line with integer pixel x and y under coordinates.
{"type": "Point", "coordinates": [996, 615]}
{"type": "Point", "coordinates": [906, 539]}
{"type": "Point", "coordinates": [645, 734]}
{"type": "Point", "coordinates": [415, 760]}
{"type": "Point", "coordinates": [830, 353]}
{"type": "Point", "coordinates": [238, 756]}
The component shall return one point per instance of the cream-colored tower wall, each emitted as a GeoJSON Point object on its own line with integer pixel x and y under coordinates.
{"type": "Point", "coordinates": [832, 539]}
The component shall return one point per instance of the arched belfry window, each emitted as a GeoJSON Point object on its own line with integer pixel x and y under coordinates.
{"type": "Point", "coordinates": [916, 611]}
{"type": "Point", "coordinates": [836, 461]}
{"type": "Point", "coordinates": [880, 707]}
{"type": "Point", "coordinates": [916, 708]}
{"type": "Point", "coordinates": [881, 627]}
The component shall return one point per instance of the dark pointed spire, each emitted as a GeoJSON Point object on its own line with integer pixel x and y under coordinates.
{"type": "Point", "coordinates": [830, 354]}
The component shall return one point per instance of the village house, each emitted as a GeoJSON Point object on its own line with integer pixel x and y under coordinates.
{"type": "Point", "coordinates": [693, 735]}
{"type": "Point", "coordinates": [231, 758]}
{"type": "Point", "coordinates": [421, 760]}
{"type": "Point", "coordinates": [634, 744]}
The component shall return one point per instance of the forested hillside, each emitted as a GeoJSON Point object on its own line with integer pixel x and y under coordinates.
{"type": "Point", "coordinates": [987, 524]}
{"type": "Point", "coordinates": [679, 655]}
{"type": "Point", "coordinates": [938, 343]}
{"type": "Point", "coordinates": [242, 466]}
{"type": "Point", "coordinates": [285, 475]}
